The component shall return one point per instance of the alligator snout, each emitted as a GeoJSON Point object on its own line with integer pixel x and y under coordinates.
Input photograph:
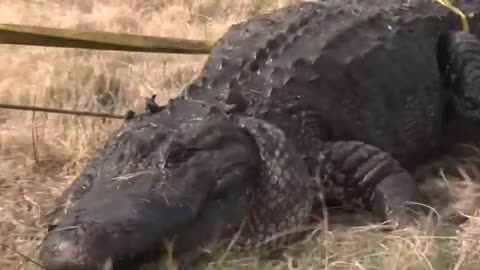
{"type": "Point", "coordinates": [81, 247]}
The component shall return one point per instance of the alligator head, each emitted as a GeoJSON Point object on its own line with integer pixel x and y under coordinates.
{"type": "Point", "coordinates": [183, 174]}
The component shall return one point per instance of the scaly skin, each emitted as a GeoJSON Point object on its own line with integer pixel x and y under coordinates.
{"type": "Point", "coordinates": [461, 55]}
{"type": "Point", "coordinates": [183, 174]}
{"type": "Point", "coordinates": [322, 73]}
{"type": "Point", "coordinates": [347, 94]}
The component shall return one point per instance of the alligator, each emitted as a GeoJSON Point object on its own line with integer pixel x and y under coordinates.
{"type": "Point", "coordinates": [316, 102]}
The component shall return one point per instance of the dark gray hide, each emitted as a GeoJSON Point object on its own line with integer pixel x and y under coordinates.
{"type": "Point", "coordinates": [350, 91]}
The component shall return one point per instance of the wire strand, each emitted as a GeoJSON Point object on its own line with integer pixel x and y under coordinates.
{"type": "Point", "coordinates": [60, 111]}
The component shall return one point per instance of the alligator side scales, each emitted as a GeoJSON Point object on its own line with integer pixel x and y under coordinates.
{"type": "Point", "coordinates": [338, 101]}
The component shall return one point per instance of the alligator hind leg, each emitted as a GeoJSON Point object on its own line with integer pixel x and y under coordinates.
{"type": "Point", "coordinates": [362, 176]}
{"type": "Point", "coordinates": [458, 55]}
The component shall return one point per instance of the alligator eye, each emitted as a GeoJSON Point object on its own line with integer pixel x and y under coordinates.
{"type": "Point", "coordinates": [177, 153]}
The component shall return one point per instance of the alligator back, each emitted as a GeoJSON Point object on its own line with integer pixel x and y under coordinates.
{"type": "Point", "coordinates": [341, 70]}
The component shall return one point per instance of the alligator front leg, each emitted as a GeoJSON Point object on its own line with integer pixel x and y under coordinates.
{"type": "Point", "coordinates": [281, 200]}
{"type": "Point", "coordinates": [459, 63]}
{"type": "Point", "coordinates": [362, 176]}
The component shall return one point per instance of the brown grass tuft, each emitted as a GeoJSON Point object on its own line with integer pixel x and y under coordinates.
{"type": "Point", "coordinates": [40, 154]}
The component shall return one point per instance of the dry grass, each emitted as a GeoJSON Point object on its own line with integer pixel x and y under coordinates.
{"type": "Point", "coordinates": [41, 153]}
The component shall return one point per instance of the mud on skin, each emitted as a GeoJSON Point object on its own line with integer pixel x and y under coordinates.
{"type": "Point", "coordinates": [290, 106]}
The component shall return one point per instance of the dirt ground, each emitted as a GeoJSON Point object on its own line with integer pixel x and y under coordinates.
{"type": "Point", "coordinates": [40, 154]}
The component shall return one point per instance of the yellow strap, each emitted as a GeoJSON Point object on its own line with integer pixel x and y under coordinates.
{"type": "Point", "coordinates": [463, 17]}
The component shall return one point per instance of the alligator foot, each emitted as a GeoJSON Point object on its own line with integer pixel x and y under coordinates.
{"type": "Point", "coordinates": [359, 175]}
{"type": "Point", "coordinates": [459, 64]}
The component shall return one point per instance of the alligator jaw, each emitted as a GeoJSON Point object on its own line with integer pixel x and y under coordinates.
{"type": "Point", "coordinates": [177, 178]}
